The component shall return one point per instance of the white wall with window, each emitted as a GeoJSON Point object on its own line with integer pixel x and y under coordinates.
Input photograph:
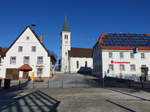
{"type": "Point", "coordinates": [13, 60]}
{"type": "Point", "coordinates": [20, 48]}
{"type": "Point", "coordinates": [77, 62]}
{"type": "Point", "coordinates": [127, 63]}
{"type": "Point", "coordinates": [40, 60]}
{"type": "Point", "coordinates": [25, 50]}
{"type": "Point", "coordinates": [33, 48]}
{"type": "Point", "coordinates": [26, 60]}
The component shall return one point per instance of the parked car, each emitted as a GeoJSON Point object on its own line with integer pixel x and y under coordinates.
{"type": "Point", "coordinates": [85, 70]}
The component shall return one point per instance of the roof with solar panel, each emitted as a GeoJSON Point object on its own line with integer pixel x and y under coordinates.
{"type": "Point", "coordinates": [124, 41]}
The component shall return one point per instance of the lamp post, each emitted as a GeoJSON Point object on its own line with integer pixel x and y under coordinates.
{"type": "Point", "coordinates": [33, 25]}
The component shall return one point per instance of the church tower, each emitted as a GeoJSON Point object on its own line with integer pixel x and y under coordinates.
{"type": "Point", "coordinates": [65, 46]}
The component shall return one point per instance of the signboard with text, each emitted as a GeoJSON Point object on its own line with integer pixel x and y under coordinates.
{"type": "Point", "coordinates": [120, 62]}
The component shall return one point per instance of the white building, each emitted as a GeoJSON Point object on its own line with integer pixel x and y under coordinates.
{"type": "Point", "coordinates": [73, 59]}
{"type": "Point", "coordinates": [113, 55]}
{"type": "Point", "coordinates": [26, 56]}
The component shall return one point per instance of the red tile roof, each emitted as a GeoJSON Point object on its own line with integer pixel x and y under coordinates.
{"type": "Point", "coordinates": [25, 67]}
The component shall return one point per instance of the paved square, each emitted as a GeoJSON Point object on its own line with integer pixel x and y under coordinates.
{"type": "Point", "coordinates": [75, 94]}
{"type": "Point", "coordinates": [75, 100]}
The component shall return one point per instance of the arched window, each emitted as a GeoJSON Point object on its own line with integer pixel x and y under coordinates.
{"type": "Point", "coordinates": [77, 63]}
{"type": "Point", "coordinates": [66, 36]}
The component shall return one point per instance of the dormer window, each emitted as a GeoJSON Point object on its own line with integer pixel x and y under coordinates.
{"type": "Point", "coordinates": [27, 37]}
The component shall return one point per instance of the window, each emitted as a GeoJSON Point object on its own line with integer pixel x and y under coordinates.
{"type": "Point", "coordinates": [121, 55]}
{"type": "Point", "coordinates": [66, 36]}
{"type": "Point", "coordinates": [26, 60]}
{"type": "Point", "coordinates": [111, 67]}
{"type": "Point", "coordinates": [39, 72]}
{"type": "Point", "coordinates": [122, 67]}
{"type": "Point", "coordinates": [131, 55]}
{"type": "Point", "coordinates": [40, 60]}
{"type": "Point", "coordinates": [143, 66]}
{"type": "Point", "coordinates": [27, 38]}
{"type": "Point", "coordinates": [77, 63]}
{"type": "Point", "coordinates": [132, 67]}
{"type": "Point", "coordinates": [20, 48]}
{"type": "Point", "coordinates": [142, 55]}
{"type": "Point", "coordinates": [33, 48]}
{"type": "Point", "coordinates": [110, 54]}
{"type": "Point", "coordinates": [85, 63]}
{"type": "Point", "coordinates": [66, 53]}
{"type": "Point", "coordinates": [13, 60]}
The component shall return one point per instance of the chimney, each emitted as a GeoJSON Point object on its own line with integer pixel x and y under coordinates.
{"type": "Point", "coordinates": [41, 38]}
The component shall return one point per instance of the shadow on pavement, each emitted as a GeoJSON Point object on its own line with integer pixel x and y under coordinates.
{"type": "Point", "coordinates": [130, 95]}
{"type": "Point", "coordinates": [130, 110]}
{"type": "Point", "coordinates": [32, 102]}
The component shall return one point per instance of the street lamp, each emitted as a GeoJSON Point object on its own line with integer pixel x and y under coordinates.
{"type": "Point", "coordinates": [33, 25]}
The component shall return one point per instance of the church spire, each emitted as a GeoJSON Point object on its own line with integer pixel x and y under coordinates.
{"type": "Point", "coordinates": [66, 26]}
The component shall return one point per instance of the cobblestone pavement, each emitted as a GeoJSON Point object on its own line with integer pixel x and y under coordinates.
{"type": "Point", "coordinates": [75, 100]}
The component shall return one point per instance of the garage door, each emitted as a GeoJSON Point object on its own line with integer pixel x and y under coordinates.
{"type": "Point", "coordinates": [12, 73]}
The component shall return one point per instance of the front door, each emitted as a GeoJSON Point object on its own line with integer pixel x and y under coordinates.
{"type": "Point", "coordinates": [144, 72]}
{"type": "Point", "coordinates": [25, 74]}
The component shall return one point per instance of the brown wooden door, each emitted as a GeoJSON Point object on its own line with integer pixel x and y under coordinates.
{"type": "Point", "coordinates": [12, 73]}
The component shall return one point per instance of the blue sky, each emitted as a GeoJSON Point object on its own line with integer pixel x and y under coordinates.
{"type": "Point", "coordinates": [87, 19]}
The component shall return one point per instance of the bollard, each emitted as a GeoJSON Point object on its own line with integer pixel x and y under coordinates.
{"type": "Point", "coordinates": [62, 83]}
{"type": "Point", "coordinates": [19, 84]}
{"type": "Point", "coordinates": [48, 84]}
{"type": "Point", "coordinates": [0, 82]}
{"type": "Point", "coordinates": [129, 83]}
{"type": "Point", "coordinates": [7, 83]}
{"type": "Point", "coordinates": [142, 85]}
{"type": "Point", "coordinates": [103, 83]}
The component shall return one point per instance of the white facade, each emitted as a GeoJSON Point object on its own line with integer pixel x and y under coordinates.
{"type": "Point", "coordinates": [111, 63]}
{"type": "Point", "coordinates": [76, 63]}
{"type": "Point", "coordinates": [65, 47]}
{"type": "Point", "coordinates": [27, 40]}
